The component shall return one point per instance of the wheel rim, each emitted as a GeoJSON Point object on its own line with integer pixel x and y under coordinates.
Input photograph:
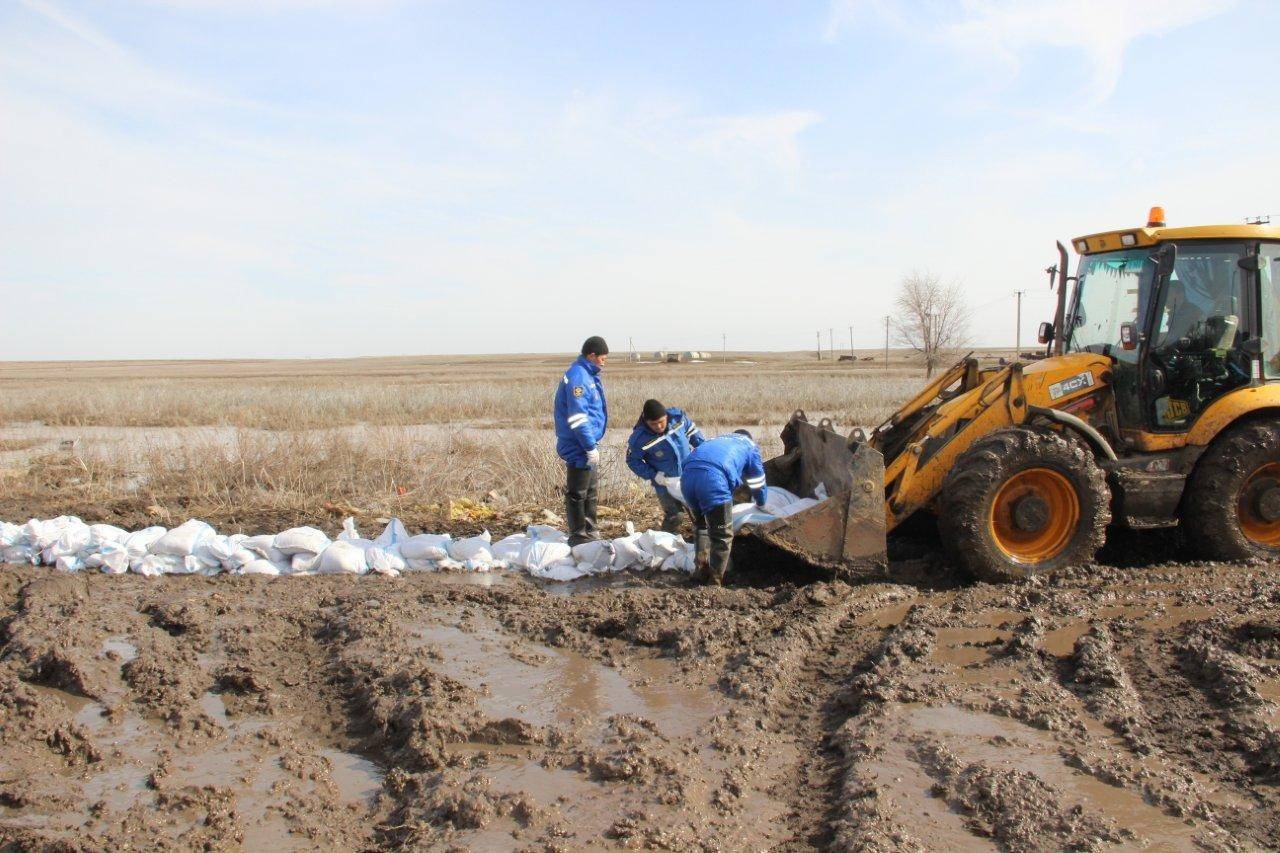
{"type": "Point", "coordinates": [1256, 506]}
{"type": "Point", "coordinates": [1034, 515]}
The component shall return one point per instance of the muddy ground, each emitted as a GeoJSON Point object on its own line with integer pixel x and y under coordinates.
{"type": "Point", "coordinates": [1122, 706]}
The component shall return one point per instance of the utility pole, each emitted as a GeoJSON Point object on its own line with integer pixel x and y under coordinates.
{"type": "Point", "coordinates": [1017, 335]}
{"type": "Point", "coordinates": [819, 333]}
{"type": "Point", "coordinates": [831, 343]}
{"type": "Point", "coordinates": [724, 347]}
{"type": "Point", "coordinates": [632, 344]}
{"type": "Point", "coordinates": [851, 343]}
{"type": "Point", "coordinates": [886, 341]}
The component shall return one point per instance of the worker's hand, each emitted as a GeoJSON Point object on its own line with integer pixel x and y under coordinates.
{"type": "Point", "coordinates": [593, 457]}
{"type": "Point", "coordinates": [660, 478]}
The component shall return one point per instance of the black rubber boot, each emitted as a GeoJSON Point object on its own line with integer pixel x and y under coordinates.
{"type": "Point", "coordinates": [580, 504]}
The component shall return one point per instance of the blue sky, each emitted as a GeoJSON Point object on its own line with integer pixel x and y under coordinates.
{"type": "Point", "coordinates": [234, 178]}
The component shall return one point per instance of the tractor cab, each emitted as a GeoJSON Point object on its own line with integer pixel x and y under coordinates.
{"type": "Point", "coordinates": [1186, 314]}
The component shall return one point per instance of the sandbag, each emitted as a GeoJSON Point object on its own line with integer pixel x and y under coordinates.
{"type": "Point", "coordinates": [546, 533]}
{"type": "Point", "coordinates": [553, 560]}
{"type": "Point", "coordinates": [657, 546]}
{"type": "Point", "coordinates": [259, 567]}
{"type": "Point", "coordinates": [594, 556]}
{"type": "Point", "coordinates": [680, 561]}
{"type": "Point", "coordinates": [426, 546]}
{"type": "Point", "coordinates": [183, 539]}
{"type": "Point", "coordinates": [472, 548]}
{"type": "Point", "coordinates": [9, 534]}
{"type": "Point", "coordinates": [393, 534]}
{"type": "Point", "coordinates": [19, 554]}
{"type": "Point", "coordinates": [508, 549]}
{"type": "Point", "coordinates": [301, 540]}
{"type": "Point", "coordinates": [154, 565]}
{"type": "Point", "coordinates": [139, 543]}
{"type": "Point", "coordinates": [342, 558]}
{"type": "Point", "coordinates": [385, 561]}
{"type": "Point", "coordinates": [69, 563]}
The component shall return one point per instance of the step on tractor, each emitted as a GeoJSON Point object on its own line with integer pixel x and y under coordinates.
{"type": "Point", "coordinates": [1155, 403]}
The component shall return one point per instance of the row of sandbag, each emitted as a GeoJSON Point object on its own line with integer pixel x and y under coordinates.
{"type": "Point", "coordinates": [194, 547]}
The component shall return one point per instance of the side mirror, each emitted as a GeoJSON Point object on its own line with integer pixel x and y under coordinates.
{"type": "Point", "coordinates": [1045, 335]}
{"type": "Point", "coordinates": [1129, 336]}
{"type": "Point", "coordinates": [1250, 263]}
{"type": "Point", "coordinates": [1166, 258]}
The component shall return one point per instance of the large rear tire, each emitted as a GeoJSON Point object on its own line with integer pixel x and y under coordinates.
{"type": "Point", "coordinates": [1023, 501]}
{"type": "Point", "coordinates": [1231, 509]}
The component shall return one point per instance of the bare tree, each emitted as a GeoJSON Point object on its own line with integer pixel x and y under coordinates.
{"type": "Point", "coordinates": [931, 317]}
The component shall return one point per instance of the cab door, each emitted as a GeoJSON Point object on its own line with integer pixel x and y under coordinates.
{"type": "Point", "coordinates": [1204, 316]}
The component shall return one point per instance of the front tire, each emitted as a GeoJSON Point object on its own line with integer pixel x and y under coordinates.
{"type": "Point", "coordinates": [1231, 510]}
{"type": "Point", "coordinates": [1023, 501]}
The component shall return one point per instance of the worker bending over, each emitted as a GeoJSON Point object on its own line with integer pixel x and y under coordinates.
{"type": "Point", "coordinates": [714, 470]}
{"type": "Point", "coordinates": [581, 416]}
{"type": "Point", "coordinates": [660, 443]}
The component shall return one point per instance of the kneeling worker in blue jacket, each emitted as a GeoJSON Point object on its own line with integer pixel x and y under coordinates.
{"type": "Point", "coordinates": [714, 470]}
{"type": "Point", "coordinates": [660, 443]}
{"type": "Point", "coordinates": [581, 416]}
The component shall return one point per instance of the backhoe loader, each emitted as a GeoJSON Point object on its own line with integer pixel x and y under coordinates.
{"type": "Point", "coordinates": [1156, 403]}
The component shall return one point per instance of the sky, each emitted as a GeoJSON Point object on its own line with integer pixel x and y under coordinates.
{"type": "Point", "coordinates": [316, 178]}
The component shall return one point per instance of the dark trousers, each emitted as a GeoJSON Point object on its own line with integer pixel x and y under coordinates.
{"type": "Point", "coordinates": [715, 539]}
{"type": "Point", "coordinates": [673, 512]}
{"type": "Point", "coordinates": [580, 504]}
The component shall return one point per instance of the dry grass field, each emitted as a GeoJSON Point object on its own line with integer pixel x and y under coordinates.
{"type": "Point", "coordinates": [247, 443]}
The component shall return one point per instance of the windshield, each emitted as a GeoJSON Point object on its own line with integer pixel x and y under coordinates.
{"type": "Point", "coordinates": [1113, 288]}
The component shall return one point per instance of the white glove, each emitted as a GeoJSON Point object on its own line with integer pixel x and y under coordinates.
{"type": "Point", "coordinates": [593, 457]}
{"type": "Point", "coordinates": [660, 479]}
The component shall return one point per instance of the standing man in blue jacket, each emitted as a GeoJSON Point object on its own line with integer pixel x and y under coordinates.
{"type": "Point", "coordinates": [660, 443]}
{"type": "Point", "coordinates": [714, 470]}
{"type": "Point", "coordinates": [581, 417]}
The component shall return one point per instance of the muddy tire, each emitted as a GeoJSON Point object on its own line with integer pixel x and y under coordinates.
{"type": "Point", "coordinates": [1023, 501]}
{"type": "Point", "coordinates": [1231, 508]}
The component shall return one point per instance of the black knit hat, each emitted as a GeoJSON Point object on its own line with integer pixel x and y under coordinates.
{"type": "Point", "coordinates": [653, 410]}
{"type": "Point", "coordinates": [595, 345]}
{"type": "Point", "coordinates": [747, 433]}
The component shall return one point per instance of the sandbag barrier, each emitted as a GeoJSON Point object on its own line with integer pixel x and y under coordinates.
{"type": "Point", "coordinates": [70, 545]}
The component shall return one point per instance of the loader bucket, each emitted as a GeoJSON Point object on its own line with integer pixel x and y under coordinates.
{"type": "Point", "coordinates": [846, 532]}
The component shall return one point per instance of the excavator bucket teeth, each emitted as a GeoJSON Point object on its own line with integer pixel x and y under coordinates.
{"type": "Point", "coordinates": [844, 533]}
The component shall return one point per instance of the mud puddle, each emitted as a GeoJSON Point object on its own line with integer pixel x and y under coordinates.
{"type": "Point", "coordinates": [546, 686]}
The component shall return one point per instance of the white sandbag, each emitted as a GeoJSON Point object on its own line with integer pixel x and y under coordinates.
{"type": "Point", "coordinates": [472, 548]}
{"type": "Point", "coordinates": [100, 533]}
{"type": "Point", "coordinates": [112, 558]}
{"type": "Point", "coordinates": [348, 530]}
{"type": "Point", "coordinates": [43, 534]}
{"type": "Point", "coordinates": [426, 546]}
{"type": "Point", "coordinates": [414, 564]}
{"type": "Point", "coordinates": [139, 543]}
{"type": "Point", "coordinates": [301, 540]}
{"type": "Point", "coordinates": [538, 556]}
{"type": "Point", "coordinates": [303, 563]}
{"type": "Point", "coordinates": [20, 554]}
{"type": "Point", "coordinates": [342, 558]}
{"type": "Point", "coordinates": [627, 553]}
{"type": "Point", "coordinates": [183, 539]}
{"type": "Point", "coordinates": [385, 561]}
{"type": "Point", "coordinates": [593, 557]}
{"type": "Point", "coordinates": [565, 570]}
{"type": "Point", "coordinates": [545, 533]}
{"type": "Point", "coordinates": [393, 534]}
{"type": "Point", "coordinates": [70, 542]}
{"type": "Point", "coordinates": [154, 565]}
{"type": "Point", "coordinates": [9, 534]}
{"type": "Point", "coordinates": [748, 513]}
{"type": "Point", "coordinates": [680, 561]}
{"type": "Point", "coordinates": [508, 549]}
{"type": "Point", "coordinates": [215, 551]}
{"type": "Point", "coordinates": [259, 567]}
{"type": "Point", "coordinates": [265, 547]}
{"type": "Point", "coordinates": [658, 545]}
{"type": "Point", "coordinates": [69, 563]}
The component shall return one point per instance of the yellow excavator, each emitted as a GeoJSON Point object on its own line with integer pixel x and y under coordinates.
{"type": "Point", "coordinates": [1155, 403]}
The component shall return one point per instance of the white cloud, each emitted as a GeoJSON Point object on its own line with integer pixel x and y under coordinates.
{"type": "Point", "coordinates": [1008, 32]}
